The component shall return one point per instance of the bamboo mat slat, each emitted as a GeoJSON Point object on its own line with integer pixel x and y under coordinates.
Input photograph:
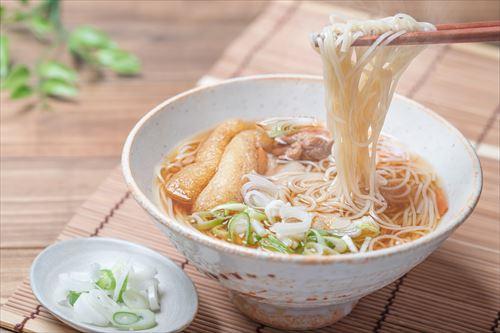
{"type": "Point", "coordinates": [455, 290]}
{"type": "Point", "coordinates": [492, 135]}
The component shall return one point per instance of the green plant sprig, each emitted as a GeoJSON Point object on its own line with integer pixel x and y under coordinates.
{"type": "Point", "coordinates": [50, 78]}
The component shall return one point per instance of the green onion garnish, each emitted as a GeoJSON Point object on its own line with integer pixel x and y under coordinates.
{"type": "Point", "coordinates": [272, 243]}
{"type": "Point", "coordinates": [255, 214]}
{"type": "Point", "coordinates": [73, 296]}
{"type": "Point", "coordinates": [220, 232]}
{"type": "Point", "coordinates": [209, 225]}
{"type": "Point", "coordinates": [238, 224]}
{"type": "Point", "coordinates": [231, 206]}
{"type": "Point", "coordinates": [134, 320]}
{"type": "Point", "coordinates": [124, 287]}
{"type": "Point", "coordinates": [106, 280]}
{"type": "Point", "coordinates": [315, 236]}
{"type": "Point", "coordinates": [336, 243]}
{"type": "Point", "coordinates": [125, 318]}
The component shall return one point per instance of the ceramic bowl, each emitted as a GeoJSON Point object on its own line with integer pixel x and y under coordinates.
{"type": "Point", "coordinates": [294, 291]}
{"type": "Point", "coordinates": [178, 297]}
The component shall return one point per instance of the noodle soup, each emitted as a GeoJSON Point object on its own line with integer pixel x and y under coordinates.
{"type": "Point", "coordinates": [289, 204]}
{"type": "Point", "coordinates": [293, 185]}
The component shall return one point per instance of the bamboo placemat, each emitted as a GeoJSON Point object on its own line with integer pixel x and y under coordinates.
{"type": "Point", "coordinates": [455, 290]}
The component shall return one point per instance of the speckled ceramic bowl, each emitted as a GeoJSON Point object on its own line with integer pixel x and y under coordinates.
{"type": "Point", "coordinates": [294, 291]}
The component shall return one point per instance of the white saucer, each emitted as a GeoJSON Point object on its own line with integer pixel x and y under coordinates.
{"type": "Point", "coordinates": [179, 300]}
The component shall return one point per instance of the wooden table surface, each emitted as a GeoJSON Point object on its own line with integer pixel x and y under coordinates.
{"type": "Point", "coordinates": [51, 161]}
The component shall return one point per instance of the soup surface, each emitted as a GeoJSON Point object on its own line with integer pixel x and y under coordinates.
{"type": "Point", "coordinates": [271, 185]}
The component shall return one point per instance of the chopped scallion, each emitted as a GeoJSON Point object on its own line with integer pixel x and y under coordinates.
{"type": "Point", "coordinates": [209, 225]}
{"type": "Point", "coordinates": [273, 244]}
{"type": "Point", "coordinates": [73, 296]}
{"type": "Point", "coordinates": [122, 290]}
{"type": "Point", "coordinates": [238, 224]}
{"type": "Point", "coordinates": [125, 318]}
{"type": "Point", "coordinates": [106, 280]}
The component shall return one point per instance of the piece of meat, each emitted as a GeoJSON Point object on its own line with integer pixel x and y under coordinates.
{"type": "Point", "coordinates": [316, 148]}
{"type": "Point", "coordinates": [243, 155]}
{"type": "Point", "coordinates": [311, 144]}
{"type": "Point", "coordinates": [187, 184]}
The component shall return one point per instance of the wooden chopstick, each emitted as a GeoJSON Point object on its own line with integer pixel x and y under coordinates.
{"type": "Point", "coordinates": [446, 33]}
{"type": "Point", "coordinates": [465, 25]}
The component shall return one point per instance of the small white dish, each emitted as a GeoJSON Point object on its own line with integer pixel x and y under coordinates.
{"type": "Point", "coordinates": [179, 300]}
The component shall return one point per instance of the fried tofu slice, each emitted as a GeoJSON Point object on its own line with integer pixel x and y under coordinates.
{"type": "Point", "coordinates": [187, 184]}
{"type": "Point", "coordinates": [243, 155]}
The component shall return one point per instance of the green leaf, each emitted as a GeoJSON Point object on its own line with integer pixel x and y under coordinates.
{"type": "Point", "coordinates": [58, 88]}
{"type": "Point", "coordinates": [18, 76]}
{"type": "Point", "coordinates": [20, 16]}
{"type": "Point", "coordinates": [24, 2]}
{"type": "Point", "coordinates": [21, 92]}
{"type": "Point", "coordinates": [56, 70]}
{"type": "Point", "coordinates": [2, 12]}
{"type": "Point", "coordinates": [73, 296]}
{"type": "Point", "coordinates": [50, 10]}
{"type": "Point", "coordinates": [4, 56]}
{"type": "Point", "coordinates": [41, 26]}
{"type": "Point", "coordinates": [119, 61]}
{"type": "Point", "coordinates": [88, 38]}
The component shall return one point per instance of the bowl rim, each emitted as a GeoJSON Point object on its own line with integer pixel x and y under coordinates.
{"type": "Point", "coordinates": [233, 249]}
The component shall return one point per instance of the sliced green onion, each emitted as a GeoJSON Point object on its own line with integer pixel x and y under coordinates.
{"type": "Point", "coordinates": [106, 280]}
{"type": "Point", "coordinates": [312, 248]}
{"type": "Point", "coordinates": [280, 126]}
{"type": "Point", "coordinates": [367, 226]}
{"type": "Point", "coordinates": [248, 238]}
{"type": "Point", "coordinates": [279, 131]}
{"type": "Point", "coordinates": [122, 290]}
{"type": "Point", "coordinates": [258, 227]}
{"type": "Point", "coordinates": [271, 243]}
{"type": "Point", "coordinates": [238, 224]}
{"type": "Point", "coordinates": [323, 232]}
{"type": "Point", "coordinates": [255, 214]}
{"type": "Point", "coordinates": [253, 238]}
{"type": "Point", "coordinates": [134, 300]}
{"type": "Point", "coordinates": [73, 296]}
{"type": "Point", "coordinates": [153, 297]}
{"type": "Point", "coordinates": [209, 225]}
{"type": "Point", "coordinates": [121, 271]}
{"type": "Point", "coordinates": [233, 206]}
{"type": "Point", "coordinates": [316, 248]}
{"type": "Point", "coordinates": [315, 236]}
{"type": "Point", "coordinates": [300, 248]}
{"type": "Point", "coordinates": [336, 243]}
{"type": "Point", "coordinates": [125, 318]}
{"type": "Point", "coordinates": [207, 220]}
{"type": "Point", "coordinates": [205, 214]}
{"type": "Point", "coordinates": [220, 232]}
